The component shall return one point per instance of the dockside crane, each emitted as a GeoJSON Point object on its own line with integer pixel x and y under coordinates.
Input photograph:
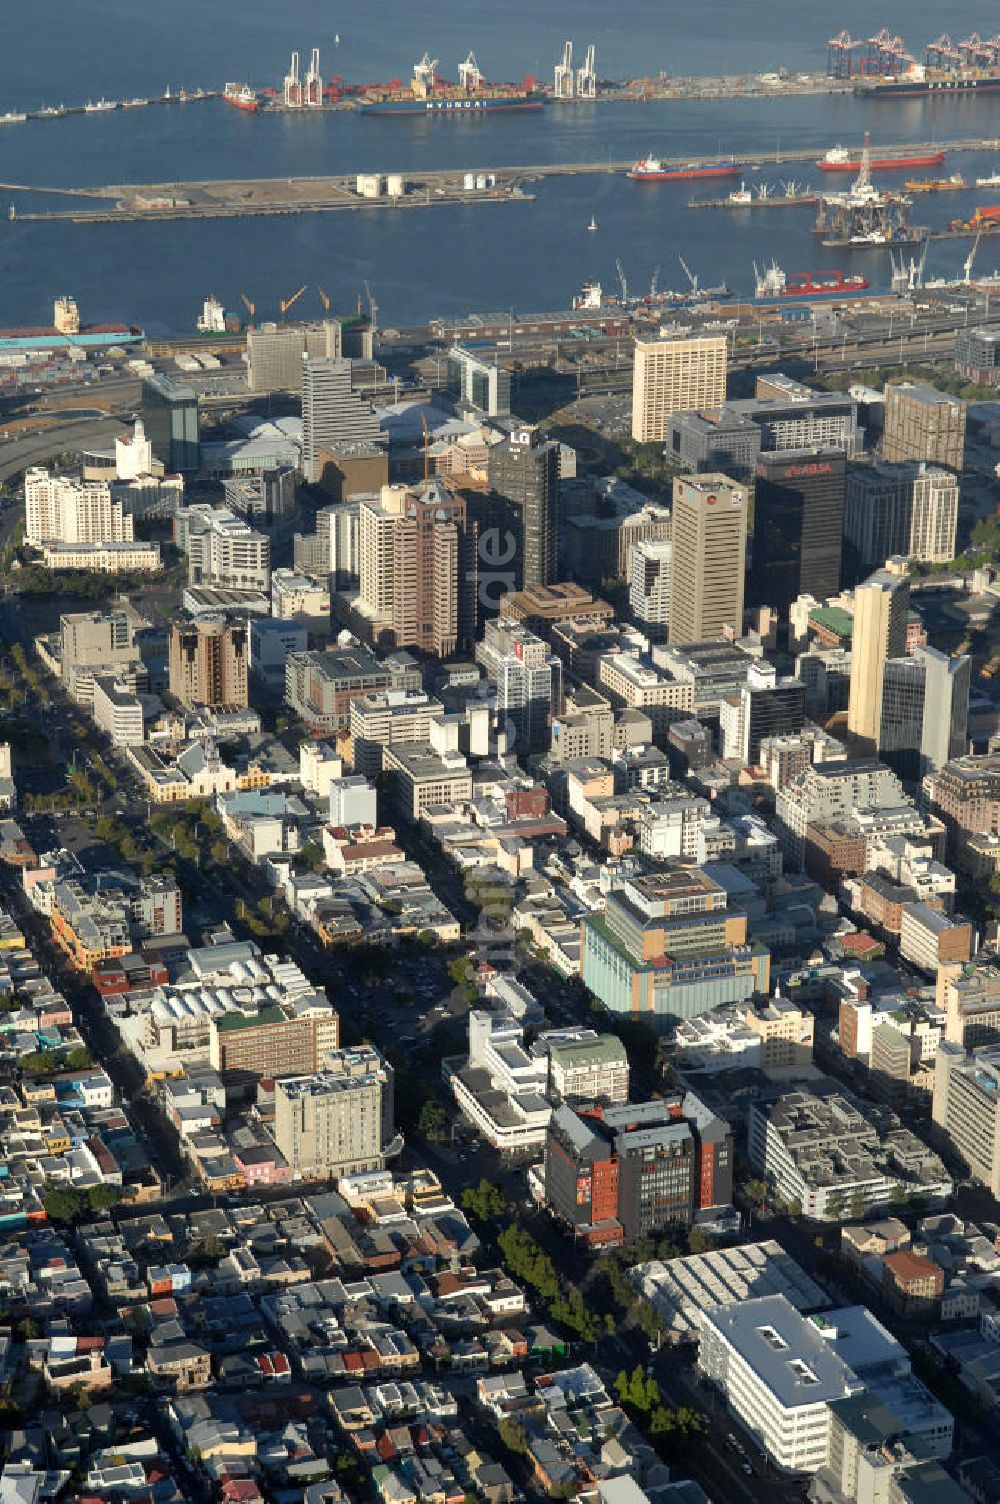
{"type": "Point", "coordinates": [372, 308]}
{"type": "Point", "coordinates": [970, 258]}
{"type": "Point", "coordinates": [689, 274]}
{"type": "Point", "coordinates": [654, 283]}
{"type": "Point", "coordinates": [622, 281]}
{"type": "Point", "coordinates": [287, 303]}
{"type": "Point", "coordinates": [324, 300]}
{"type": "Point", "coordinates": [251, 307]}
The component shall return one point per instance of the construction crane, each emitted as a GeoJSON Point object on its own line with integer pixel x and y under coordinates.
{"type": "Point", "coordinates": [251, 307]}
{"type": "Point", "coordinates": [372, 308]}
{"type": "Point", "coordinates": [622, 281]}
{"type": "Point", "coordinates": [427, 446]}
{"type": "Point", "coordinates": [324, 300]}
{"type": "Point", "coordinates": [654, 282]}
{"type": "Point", "coordinates": [286, 303]}
{"type": "Point", "coordinates": [970, 258]}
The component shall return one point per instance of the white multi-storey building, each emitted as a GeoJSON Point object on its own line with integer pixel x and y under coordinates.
{"type": "Point", "coordinates": [66, 509]}
{"type": "Point", "coordinates": [779, 1374]}
{"type": "Point", "coordinates": [222, 549]}
{"type": "Point", "coordinates": [649, 584]}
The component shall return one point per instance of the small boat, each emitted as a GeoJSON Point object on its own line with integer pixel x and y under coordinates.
{"type": "Point", "coordinates": [336, 39]}
{"type": "Point", "coordinates": [593, 223]}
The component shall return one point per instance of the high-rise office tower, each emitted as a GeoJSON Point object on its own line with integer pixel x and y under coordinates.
{"type": "Point", "coordinates": [275, 351]}
{"type": "Point", "coordinates": [675, 376]}
{"type": "Point", "coordinates": [528, 677]}
{"type": "Point", "coordinates": [708, 561]}
{"type": "Point", "coordinates": [765, 706]}
{"type": "Point", "coordinates": [170, 420]}
{"type": "Point", "coordinates": [881, 607]}
{"type": "Point", "coordinates": [798, 526]}
{"type": "Point", "coordinates": [524, 479]}
{"type": "Point", "coordinates": [417, 570]}
{"type": "Point", "coordinates": [922, 423]}
{"type": "Point", "coordinates": [649, 585]}
{"type": "Point", "coordinates": [333, 414]}
{"type": "Point", "coordinates": [907, 508]}
{"type": "Point", "coordinates": [208, 661]}
{"type": "Point", "coordinates": [925, 712]}
{"type": "Point", "coordinates": [475, 382]}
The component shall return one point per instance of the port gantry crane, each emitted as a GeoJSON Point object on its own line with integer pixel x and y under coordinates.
{"type": "Point", "coordinates": [564, 79]}
{"type": "Point", "coordinates": [840, 52]}
{"type": "Point", "coordinates": [250, 306]}
{"type": "Point", "coordinates": [286, 303]}
{"type": "Point", "coordinates": [887, 54]}
{"type": "Point", "coordinates": [324, 300]}
{"type": "Point", "coordinates": [586, 76]}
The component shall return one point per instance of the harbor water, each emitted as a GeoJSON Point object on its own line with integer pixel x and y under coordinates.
{"type": "Point", "coordinates": [448, 260]}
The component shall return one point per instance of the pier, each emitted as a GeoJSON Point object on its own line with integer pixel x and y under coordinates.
{"type": "Point", "coordinates": [386, 190]}
{"type": "Point", "coordinates": [105, 106]}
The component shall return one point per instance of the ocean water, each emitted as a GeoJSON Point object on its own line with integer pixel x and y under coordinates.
{"type": "Point", "coordinates": [448, 260]}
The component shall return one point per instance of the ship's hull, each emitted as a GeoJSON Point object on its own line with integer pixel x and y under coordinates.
{"type": "Point", "coordinates": [248, 106]}
{"type": "Point", "coordinates": [884, 164]}
{"type": "Point", "coordinates": [920, 87]}
{"type": "Point", "coordinates": [684, 174]}
{"type": "Point", "coordinates": [92, 337]}
{"type": "Point", "coordinates": [449, 107]}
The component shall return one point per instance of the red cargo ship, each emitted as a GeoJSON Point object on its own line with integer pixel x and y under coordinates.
{"type": "Point", "coordinates": [242, 97]}
{"type": "Point", "coordinates": [652, 170]}
{"type": "Point", "coordinates": [839, 159]}
{"type": "Point", "coordinates": [774, 283]}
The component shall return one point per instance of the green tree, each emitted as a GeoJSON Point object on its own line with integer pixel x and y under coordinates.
{"type": "Point", "coordinates": [485, 1201]}
{"type": "Point", "coordinates": [311, 856]}
{"type": "Point", "coordinates": [513, 1435]}
{"type": "Point", "coordinates": [62, 1203]}
{"type": "Point", "coordinates": [103, 1197]}
{"type": "Point", "coordinates": [431, 1122]}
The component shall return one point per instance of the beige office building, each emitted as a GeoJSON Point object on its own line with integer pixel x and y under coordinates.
{"type": "Point", "coordinates": [208, 662]}
{"type": "Point", "coordinates": [338, 1121]}
{"type": "Point", "coordinates": [922, 423]}
{"type": "Point", "coordinates": [881, 607]}
{"type": "Point", "coordinates": [674, 376]}
{"type": "Point", "coordinates": [708, 562]}
{"type": "Point", "coordinates": [417, 569]}
{"type": "Point", "coordinates": [275, 351]}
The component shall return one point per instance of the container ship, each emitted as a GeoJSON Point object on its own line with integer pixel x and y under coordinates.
{"type": "Point", "coordinates": [242, 97]}
{"type": "Point", "coordinates": [775, 283]}
{"type": "Point", "coordinates": [839, 159]}
{"type": "Point", "coordinates": [66, 332]}
{"type": "Point", "coordinates": [429, 94]}
{"type": "Point", "coordinates": [919, 81]}
{"type": "Point", "coordinates": [88, 337]}
{"type": "Point", "coordinates": [652, 170]}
